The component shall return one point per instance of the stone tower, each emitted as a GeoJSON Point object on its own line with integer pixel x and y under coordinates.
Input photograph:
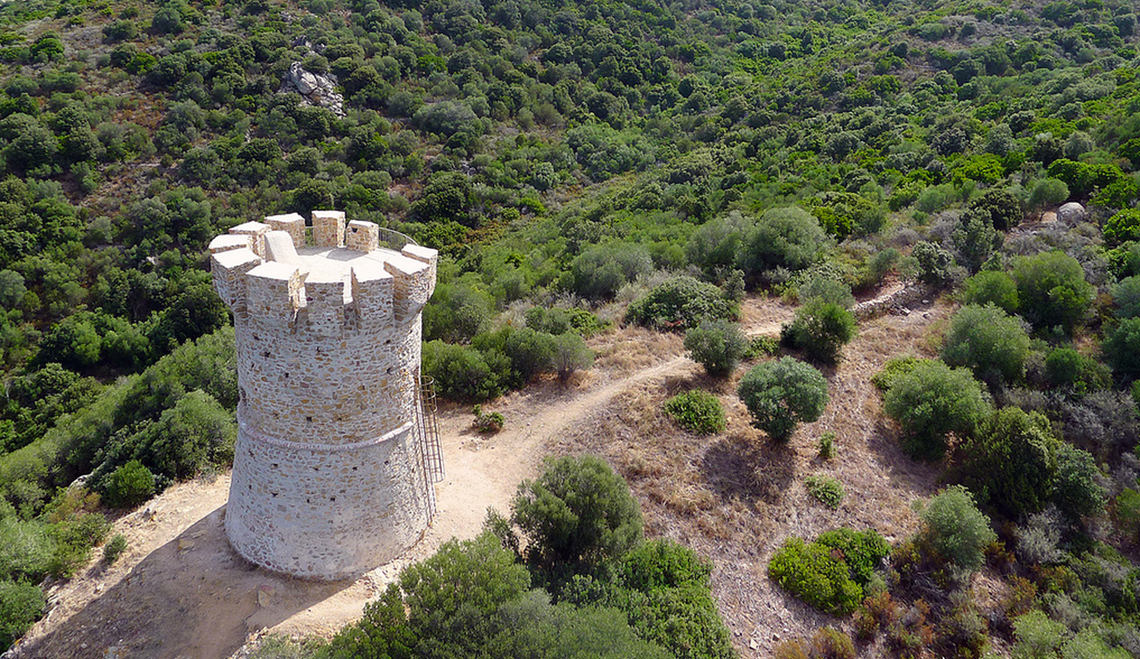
{"type": "Point", "coordinates": [333, 469]}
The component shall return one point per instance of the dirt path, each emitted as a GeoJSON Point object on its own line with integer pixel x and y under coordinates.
{"type": "Point", "coordinates": [180, 591]}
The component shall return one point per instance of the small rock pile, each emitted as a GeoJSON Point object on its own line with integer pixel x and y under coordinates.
{"type": "Point", "coordinates": [315, 89]}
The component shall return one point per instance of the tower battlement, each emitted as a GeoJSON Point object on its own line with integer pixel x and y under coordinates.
{"type": "Point", "coordinates": [329, 475]}
{"type": "Point", "coordinates": [353, 284]}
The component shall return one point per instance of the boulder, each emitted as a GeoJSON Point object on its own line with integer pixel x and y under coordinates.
{"type": "Point", "coordinates": [314, 88]}
{"type": "Point", "coordinates": [1071, 213]}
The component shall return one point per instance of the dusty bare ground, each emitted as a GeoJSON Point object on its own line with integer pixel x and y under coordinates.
{"type": "Point", "coordinates": [736, 497]}
{"type": "Point", "coordinates": [180, 591]}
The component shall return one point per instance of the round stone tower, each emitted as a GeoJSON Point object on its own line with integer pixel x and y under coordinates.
{"type": "Point", "coordinates": [332, 474]}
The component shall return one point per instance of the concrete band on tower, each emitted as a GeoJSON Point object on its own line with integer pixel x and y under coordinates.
{"type": "Point", "coordinates": [330, 478]}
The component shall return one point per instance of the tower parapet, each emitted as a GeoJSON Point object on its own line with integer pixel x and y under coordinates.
{"type": "Point", "coordinates": [329, 478]}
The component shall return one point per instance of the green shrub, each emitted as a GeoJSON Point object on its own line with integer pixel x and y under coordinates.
{"type": "Point", "coordinates": [681, 302]}
{"type": "Point", "coordinates": [1048, 192]}
{"type": "Point", "coordinates": [1123, 226]}
{"type": "Point", "coordinates": [826, 490]}
{"type": "Point", "coordinates": [830, 572]}
{"type": "Point", "coordinates": [761, 346]}
{"type": "Point", "coordinates": [1126, 297]}
{"type": "Point", "coordinates": [1012, 462]}
{"type": "Point", "coordinates": [571, 354]}
{"type": "Point", "coordinates": [487, 422]}
{"type": "Point", "coordinates": [820, 329]}
{"type": "Point", "coordinates": [827, 445]}
{"type": "Point", "coordinates": [781, 394]}
{"type": "Point", "coordinates": [1077, 489]}
{"type": "Point", "coordinates": [697, 411]}
{"type": "Point", "coordinates": [930, 402]}
{"type": "Point", "coordinates": [456, 313]}
{"type": "Point", "coordinates": [129, 485]}
{"type": "Point", "coordinates": [955, 529]}
{"type": "Point", "coordinates": [813, 573]}
{"type": "Point", "coordinates": [991, 287]}
{"type": "Point", "coordinates": [831, 643]}
{"type": "Point", "coordinates": [893, 369]}
{"type": "Point", "coordinates": [1052, 290]}
{"type": "Point", "coordinates": [462, 373]}
{"type": "Point", "coordinates": [998, 207]}
{"type": "Point", "coordinates": [114, 548]}
{"type": "Point", "coordinates": [1037, 635]}
{"type": "Point", "coordinates": [1065, 367]}
{"type": "Point", "coordinates": [1122, 348]}
{"type": "Point", "coordinates": [717, 345]}
{"type": "Point", "coordinates": [987, 341]}
{"type": "Point", "coordinates": [576, 515]}
{"type": "Point", "coordinates": [933, 264]}
{"type": "Point", "coordinates": [788, 238]}
{"type": "Point", "coordinates": [714, 245]}
{"type": "Point", "coordinates": [598, 272]}
{"type": "Point", "coordinates": [21, 604]}
{"type": "Point", "coordinates": [559, 320]}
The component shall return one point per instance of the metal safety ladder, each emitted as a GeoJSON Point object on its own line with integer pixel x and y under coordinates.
{"type": "Point", "coordinates": [430, 453]}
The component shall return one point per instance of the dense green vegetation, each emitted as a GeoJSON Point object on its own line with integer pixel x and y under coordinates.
{"type": "Point", "coordinates": [583, 164]}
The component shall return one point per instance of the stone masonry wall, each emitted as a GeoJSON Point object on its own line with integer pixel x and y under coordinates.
{"type": "Point", "coordinates": [328, 479]}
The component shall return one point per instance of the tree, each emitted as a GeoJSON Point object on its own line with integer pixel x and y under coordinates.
{"type": "Point", "coordinates": [821, 329]}
{"type": "Point", "coordinates": [989, 342]}
{"type": "Point", "coordinates": [1052, 289]}
{"type": "Point", "coordinates": [930, 402]}
{"type": "Point", "coordinates": [991, 287]}
{"type": "Point", "coordinates": [781, 394]}
{"type": "Point", "coordinates": [956, 529]}
{"type": "Point", "coordinates": [934, 266]}
{"type": "Point", "coordinates": [998, 207]}
{"type": "Point", "coordinates": [717, 345]}
{"type": "Point", "coordinates": [782, 238]}
{"type": "Point", "coordinates": [1012, 462]}
{"type": "Point", "coordinates": [599, 271]}
{"type": "Point", "coordinates": [1048, 192]}
{"type": "Point", "coordinates": [576, 515]}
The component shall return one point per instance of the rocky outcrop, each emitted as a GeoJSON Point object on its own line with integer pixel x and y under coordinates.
{"type": "Point", "coordinates": [314, 88]}
{"type": "Point", "coordinates": [1072, 213]}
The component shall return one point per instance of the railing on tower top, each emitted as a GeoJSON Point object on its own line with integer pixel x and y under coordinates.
{"type": "Point", "coordinates": [392, 239]}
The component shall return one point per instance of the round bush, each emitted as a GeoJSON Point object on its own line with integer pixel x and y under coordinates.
{"type": "Point", "coordinates": [1126, 297]}
{"type": "Point", "coordinates": [781, 394]}
{"type": "Point", "coordinates": [681, 302]}
{"type": "Point", "coordinates": [129, 485]}
{"type": "Point", "coordinates": [717, 345]}
{"type": "Point", "coordinates": [991, 287]}
{"type": "Point", "coordinates": [988, 341]}
{"type": "Point", "coordinates": [697, 411]}
{"type": "Point", "coordinates": [1012, 462]}
{"type": "Point", "coordinates": [1052, 290]}
{"type": "Point", "coordinates": [956, 529]}
{"type": "Point", "coordinates": [1124, 225]}
{"type": "Point", "coordinates": [1122, 348]}
{"type": "Point", "coordinates": [820, 329]}
{"type": "Point", "coordinates": [782, 238]}
{"type": "Point", "coordinates": [931, 401]}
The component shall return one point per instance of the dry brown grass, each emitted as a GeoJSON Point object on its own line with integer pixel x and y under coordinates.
{"type": "Point", "coordinates": [735, 497]}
